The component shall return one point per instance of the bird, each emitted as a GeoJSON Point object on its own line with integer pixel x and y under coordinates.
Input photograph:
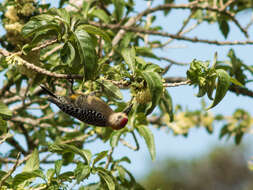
{"type": "Point", "coordinates": [89, 109]}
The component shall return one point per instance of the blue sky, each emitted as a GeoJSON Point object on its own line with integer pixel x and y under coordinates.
{"type": "Point", "coordinates": [199, 141]}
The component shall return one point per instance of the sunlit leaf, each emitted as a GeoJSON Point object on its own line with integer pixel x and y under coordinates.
{"type": "Point", "coordinates": [22, 177]}
{"type": "Point", "coordinates": [110, 89]}
{"type": "Point", "coordinates": [96, 31]}
{"type": "Point", "coordinates": [166, 100]}
{"type": "Point", "coordinates": [63, 148]}
{"type": "Point", "coordinates": [101, 14]}
{"type": "Point", "coordinates": [82, 171]}
{"type": "Point", "coordinates": [115, 136]}
{"type": "Point", "coordinates": [87, 53]}
{"type": "Point", "coordinates": [57, 166]}
{"type": "Point", "coordinates": [99, 157]}
{"type": "Point", "coordinates": [107, 177]}
{"type": "Point", "coordinates": [155, 85]}
{"type": "Point", "coordinates": [129, 57]}
{"type": "Point", "coordinates": [222, 86]}
{"type": "Point", "coordinates": [119, 8]}
{"type": "Point", "coordinates": [67, 53]}
{"type": "Point", "coordinates": [236, 82]}
{"type": "Point", "coordinates": [33, 163]}
{"type": "Point", "coordinates": [5, 112]}
{"type": "Point", "coordinates": [148, 136]}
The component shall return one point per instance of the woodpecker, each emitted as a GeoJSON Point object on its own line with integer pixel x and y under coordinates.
{"type": "Point", "coordinates": [89, 109]}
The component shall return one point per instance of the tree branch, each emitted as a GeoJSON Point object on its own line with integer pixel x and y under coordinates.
{"type": "Point", "coordinates": [192, 6]}
{"type": "Point", "coordinates": [174, 36]}
{"type": "Point", "coordinates": [11, 171]}
{"type": "Point", "coordinates": [177, 83]}
{"type": "Point", "coordinates": [233, 88]}
{"type": "Point", "coordinates": [16, 145]}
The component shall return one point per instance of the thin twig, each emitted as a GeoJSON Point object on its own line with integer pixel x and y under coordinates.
{"type": "Point", "coordinates": [55, 49]}
{"type": "Point", "coordinates": [127, 144]}
{"type": "Point", "coordinates": [233, 88]}
{"type": "Point", "coordinates": [181, 31]}
{"type": "Point", "coordinates": [229, 2]}
{"type": "Point", "coordinates": [16, 145]}
{"type": "Point", "coordinates": [109, 158]}
{"type": "Point", "coordinates": [174, 36]}
{"type": "Point", "coordinates": [177, 84]}
{"type": "Point", "coordinates": [193, 6]}
{"type": "Point", "coordinates": [174, 62]}
{"type": "Point", "coordinates": [11, 171]}
{"type": "Point", "coordinates": [4, 137]}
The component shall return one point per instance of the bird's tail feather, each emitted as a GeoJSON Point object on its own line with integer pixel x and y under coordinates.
{"type": "Point", "coordinates": [48, 91]}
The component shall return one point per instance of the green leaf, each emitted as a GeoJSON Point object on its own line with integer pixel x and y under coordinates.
{"type": "Point", "coordinates": [63, 14]}
{"type": "Point", "coordinates": [66, 176]}
{"type": "Point", "coordinates": [210, 87]}
{"type": "Point", "coordinates": [64, 148]}
{"type": "Point", "coordinates": [85, 8]}
{"type": "Point", "coordinates": [123, 159]}
{"type": "Point", "coordinates": [41, 23]}
{"type": "Point", "coordinates": [122, 172]}
{"type": "Point", "coordinates": [166, 101]}
{"type": "Point", "coordinates": [50, 174]}
{"type": "Point", "coordinates": [57, 166]}
{"type": "Point", "coordinates": [87, 53]}
{"type": "Point", "coordinates": [101, 14]}
{"type": "Point", "coordinates": [99, 157]}
{"type": "Point", "coordinates": [201, 92]}
{"type": "Point", "coordinates": [115, 136]}
{"type": "Point", "coordinates": [4, 111]}
{"type": "Point", "coordinates": [119, 8]}
{"type": "Point", "coordinates": [146, 52]}
{"type": "Point", "coordinates": [224, 131]}
{"type": "Point", "coordinates": [8, 180]}
{"type": "Point", "coordinates": [148, 136]}
{"type": "Point", "coordinates": [129, 57]}
{"type": "Point", "coordinates": [224, 27]}
{"type": "Point", "coordinates": [67, 158]}
{"type": "Point", "coordinates": [155, 85]}
{"type": "Point", "coordinates": [33, 163]}
{"type": "Point", "coordinates": [107, 177]}
{"type": "Point", "coordinates": [166, 11]}
{"type": "Point", "coordinates": [222, 86]}
{"type": "Point", "coordinates": [235, 81]}
{"type": "Point", "coordinates": [238, 138]}
{"type": "Point", "coordinates": [110, 89]}
{"type": "Point", "coordinates": [3, 126]}
{"type": "Point", "coordinates": [67, 53]}
{"type": "Point", "coordinates": [96, 31]}
{"type": "Point", "coordinates": [249, 68]}
{"type": "Point", "coordinates": [22, 177]}
{"type": "Point", "coordinates": [82, 172]}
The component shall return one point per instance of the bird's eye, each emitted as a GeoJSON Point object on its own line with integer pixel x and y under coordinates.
{"type": "Point", "coordinates": [119, 117]}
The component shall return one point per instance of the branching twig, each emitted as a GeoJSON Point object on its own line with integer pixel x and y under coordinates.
{"type": "Point", "coordinates": [174, 62]}
{"type": "Point", "coordinates": [109, 158]}
{"type": "Point", "coordinates": [229, 2]}
{"type": "Point", "coordinates": [174, 36]}
{"type": "Point", "coordinates": [16, 145]}
{"type": "Point", "coordinates": [46, 72]}
{"type": "Point", "coordinates": [127, 144]}
{"type": "Point", "coordinates": [11, 171]}
{"type": "Point", "coordinates": [233, 88]}
{"type": "Point", "coordinates": [4, 137]}
{"type": "Point", "coordinates": [193, 6]}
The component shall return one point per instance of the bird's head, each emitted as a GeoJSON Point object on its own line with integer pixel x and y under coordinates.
{"type": "Point", "coordinates": [118, 120]}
